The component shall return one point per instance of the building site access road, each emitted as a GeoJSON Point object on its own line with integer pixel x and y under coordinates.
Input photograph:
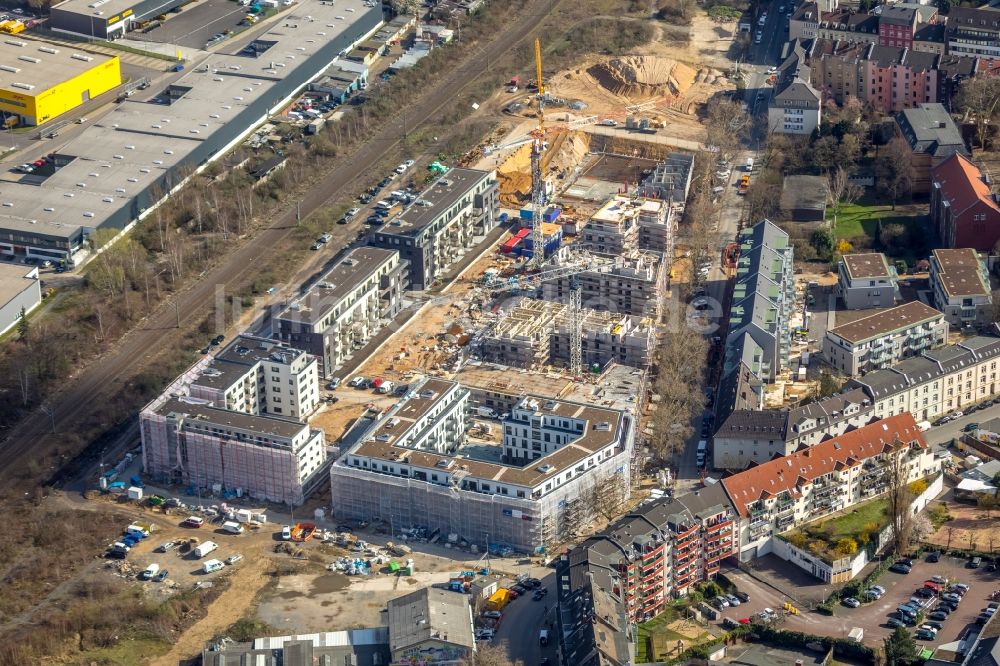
{"type": "Point", "coordinates": [101, 378]}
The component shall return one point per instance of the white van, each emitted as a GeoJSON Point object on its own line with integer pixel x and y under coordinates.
{"type": "Point", "coordinates": [749, 164]}
{"type": "Point", "coordinates": [232, 527]}
{"type": "Point", "coordinates": [211, 566]}
{"type": "Point", "coordinates": [150, 571]}
{"type": "Point", "coordinates": [205, 548]}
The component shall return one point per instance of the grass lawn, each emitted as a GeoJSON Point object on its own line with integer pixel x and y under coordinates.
{"type": "Point", "coordinates": [821, 536]}
{"type": "Point", "coordinates": [862, 220]}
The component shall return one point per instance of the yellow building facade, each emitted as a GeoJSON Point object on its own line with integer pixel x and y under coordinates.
{"type": "Point", "coordinates": [37, 100]}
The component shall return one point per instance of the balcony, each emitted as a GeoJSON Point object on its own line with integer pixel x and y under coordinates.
{"type": "Point", "coordinates": [785, 521]}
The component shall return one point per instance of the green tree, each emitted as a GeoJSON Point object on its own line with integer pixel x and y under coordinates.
{"type": "Point", "coordinates": [900, 649]}
{"type": "Point", "coordinates": [23, 327]}
{"type": "Point", "coordinates": [824, 241]}
{"type": "Point", "coordinates": [847, 546]}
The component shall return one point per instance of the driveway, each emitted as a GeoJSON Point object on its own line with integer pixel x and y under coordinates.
{"type": "Point", "coordinates": [872, 617]}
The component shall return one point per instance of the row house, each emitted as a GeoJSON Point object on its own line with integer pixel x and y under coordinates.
{"type": "Point", "coordinates": [781, 494]}
{"type": "Point", "coordinates": [897, 25]}
{"type": "Point", "coordinates": [884, 338]}
{"type": "Point", "coordinates": [937, 382]}
{"type": "Point", "coordinates": [931, 385]}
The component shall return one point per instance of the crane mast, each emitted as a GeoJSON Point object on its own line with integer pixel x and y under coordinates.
{"type": "Point", "coordinates": [537, 182]}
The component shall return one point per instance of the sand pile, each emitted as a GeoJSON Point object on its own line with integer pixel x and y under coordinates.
{"type": "Point", "coordinates": [565, 152]}
{"type": "Point", "coordinates": [643, 76]}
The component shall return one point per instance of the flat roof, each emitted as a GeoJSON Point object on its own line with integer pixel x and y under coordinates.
{"type": "Point", "coordinates": [259, 424]}
{"type": "Point", "coordinates": [618, 208]}
{"type": "Point", "coordinates": [867, 266]}
{"type": "Point", "coordinates": [960, 272]}
{"type": "Point", "coordinates": [134, 146]}
{"type": "Point", "coordinates": [41, 65]}
{"type": "Point", "coordinates": [434, 200]}
{"type": "Point", "coordinates": [430, 613]}
{"type": "Point", "coordinates": [15, 279]}
{"type": "Point", "coordinates": [409, 410]}
{"type": "Point", "coordinates": [885, 322]}
{"type": "Point", "coordinates": [233, 362]}
{"type": "Point", "coordinates": [356, 267]}
{"type": "Point", "coordinates": [98, 8]}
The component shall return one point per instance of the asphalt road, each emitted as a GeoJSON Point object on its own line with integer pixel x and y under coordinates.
{"type": "Point", "coordinates": [943, 434]}
{"type": "Point", "coordinates": [522, 620]}
{"type": "Point", "coordinates": [773, 33]}
{"type": "Point", "coordinates": [100, 380]}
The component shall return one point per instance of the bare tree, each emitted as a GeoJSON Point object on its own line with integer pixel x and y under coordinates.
{"type": "Point", "coordinates": [979, 100]}
{"type": "Point", "coordinates": [898, 495]}
{"type": "Point", "coordinates": [607, 496]}
{"type": "Point", "coordinates": [727, 124]}
{"type": "Point", "coordinates": [491, 654]}
{"type": "Point", "coordinates": [894, 170]}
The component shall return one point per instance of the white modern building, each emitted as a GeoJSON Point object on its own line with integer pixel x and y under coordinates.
{"type": "Point", "coordinates": [867, 281]}
{"type": "Point", "coordinates": [884, 338]}
{"type": "Point", "coordinates": [961, 286]}
{"type": "Point", "coordinates": [415, 466]}
{"type": "Point", "coordinates": [346, 307]}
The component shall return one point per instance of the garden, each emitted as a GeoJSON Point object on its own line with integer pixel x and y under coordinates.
{"type": "Point", "coordinates": [842, 535]}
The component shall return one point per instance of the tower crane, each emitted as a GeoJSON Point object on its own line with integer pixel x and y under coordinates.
{"type": "Point", "coordinates": [537, 182]}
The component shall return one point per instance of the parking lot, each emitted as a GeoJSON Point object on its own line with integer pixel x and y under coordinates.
{"type": "Point", "coordinates": [198, 21]}
{"type": "Point", "coordinates": [872, 617]}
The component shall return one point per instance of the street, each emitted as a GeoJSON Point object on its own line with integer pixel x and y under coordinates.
{"type": "Point", "coordinates": [522, 620]}
{"type": "Point", "coordinates": [943, 434]}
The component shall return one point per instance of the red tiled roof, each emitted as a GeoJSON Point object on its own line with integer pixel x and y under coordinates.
{"type": "Point", "coordinates": [790, 472]}
{"type": "Point", "coordinates": [962, 184]}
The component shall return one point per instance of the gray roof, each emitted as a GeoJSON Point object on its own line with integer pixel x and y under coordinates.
{"type": "Point", "coordinates": [262, 425]}
{"type": "Point", "coordinates": [357, 647]}
{"type": "Point", "coordinates": [430, 613]}
{"type": "Point", "coordinates": [706, 501]}
{"type": "Point", "coordinates": [804, 193]}
{"type": "Point", "coordinates": [986, 649]}
{"type": "Point", "coordinates": [764, 232]}
{"type": "Point", "coordinates": [929, 129]}
{"type": "Point", "coordinates": [827, 411]}
{"type": "Point", "coordinates": [239, 356]}
{"type": "Point", "coordinates": [743, 423]}
{"type": "Point", "coordinates": [441, 195]}
{"type": "Point", "coordinates": [354, 268]}
{"type": "Point", "coordinates": [898, 15]}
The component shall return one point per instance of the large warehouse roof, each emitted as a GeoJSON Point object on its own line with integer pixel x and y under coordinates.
{"type": "Point", "coordinates": [31, 67]}
{"type": "Point", "coordinates": [132, 148]}
{"type": "Point", "coordinates": [102, 8]}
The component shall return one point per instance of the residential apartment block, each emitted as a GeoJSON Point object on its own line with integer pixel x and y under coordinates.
{"type": "Point", "coordinates": [937, 382]}
{"type": "Point", "coordinates": [897, 24]}
{"type": "Point", "coordinates": [753, 436]}
{"type": "Point", "coordinates": [346, 307]}
{"type": "Point", "coordinates": [963, 208]}
{"type": "Point", "coordinates": [190, 442]}
{"type": "Point", "coordinates": [961, 287]}
{"type": "Point", "coordinates": [259, 376]}
{"type": "Point", "coordinates": [932, 137]}
{"type": "Point", "coordinates": [413, 466]}
{"type": "Point", "coordinates": [795, 106]}
{"type": "Point", "coordinates": [867, 281]}
{"type": "Point", "coordinates": [632, 284]}
{"type": "Point", "coordinates": [660, 550]}
{"type": "Point", "coordinates": [441, 225]}
{"type": "Point", "coordinates": [884, 338]}
{"type": "Point", "coordinates": [974, 32]}
{"type": "Point", "coordinates": [624, 575]}
{"type": "Point", "coordinates": [781, 494]}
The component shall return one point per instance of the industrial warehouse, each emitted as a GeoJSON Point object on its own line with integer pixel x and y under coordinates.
{"type": "Point", "coordinates": [40, 82]}
{"type": "Point", "coordinates": [108, 175]}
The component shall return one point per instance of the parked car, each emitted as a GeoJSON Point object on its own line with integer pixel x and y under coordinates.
{"type": "Point", "coordinates": [742, 596]}
{"type": "Point", "coordinates": [850, 602]}
{"type": "Point", "coordinates": [165, 546]}
{"type": "Point", "coordinates": [938, 615]}
{"type": "Point", "coordinates": [493, 615]}
{"type": "Point", "coordinates": [900, 568]}
{"type": "Point", "coordinates": [924, 635]}
{"type": "Point", "coordinates": [948, 596]}
{"type": "Point", "coordinates": [161, 576]}
{"type": "Point", "coordinates": [934, 556]}
{"type": "Point", "coordinates": [286, 533]}
{"type": "Point", "coordinates": [895, 622]}
{"type": "Point", "coordinates": [733, 601]}
{"type": "Point", "coordinates": [233, 559]}
{"type": "Point", "coordinates": [940, 580]}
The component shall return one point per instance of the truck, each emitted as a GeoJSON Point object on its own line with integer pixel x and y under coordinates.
{"type": "Point", "coordinates": [232, 527]}
{"type": "Point", "coordinates": [140, 529]}
{"type": "Point", "coordinates": [211, 566]}
{"type": "Point", "coordinates": [744, 184]}
{"type": "Point", "coordinates": [384, 387]}
{"type": "Point", "coordinates": [204, 549]}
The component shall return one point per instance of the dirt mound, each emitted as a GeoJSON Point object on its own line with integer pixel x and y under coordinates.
{"type": "Point", "coordinates": [643, 76]}
{"type": "Point", "coordinates": [565, 151]}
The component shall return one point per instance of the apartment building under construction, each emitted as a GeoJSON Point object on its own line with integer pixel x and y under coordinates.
{"type": "Point", "coordinates": [235, 423]}
{"type": "Point", "coordinates": [632, 284]}
{"type": "Point", "coordinates": [417, 465]}
{"type": "Point", "coordinates": [623, 224]}
{"type": "Point", "coordinates": [536, 333]}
